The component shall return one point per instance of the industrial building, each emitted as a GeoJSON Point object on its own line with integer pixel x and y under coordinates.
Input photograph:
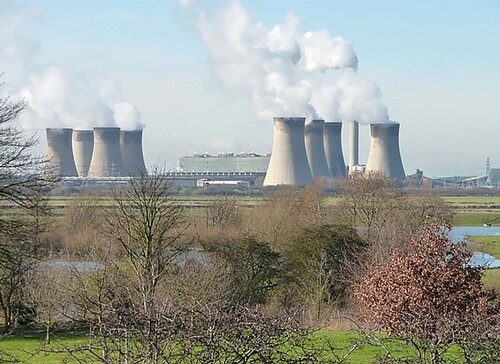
{"type": "Point", "coordinates": [224, 163]}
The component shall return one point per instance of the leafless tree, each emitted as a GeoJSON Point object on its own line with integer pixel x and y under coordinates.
{"type": "Point", "coordinates": [147, 224]}
{"type": "Point", "coordinates": [21, 248]}
{"type": "Point", "coordinates": [21, 187]}
{"type": "Point", "coordinates": [20, 170]}
{"type": "Point", "coordinates": [241, 334]}
{"type": "Point", "coordinates": [45, 294]}
{"type": "Point", "coordinates": [222, 212]}
{"type": "Point", "coordinates": [368, 201]}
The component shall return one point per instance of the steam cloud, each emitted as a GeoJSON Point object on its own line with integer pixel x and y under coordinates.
{"type": "Point", "coordinates": [279, 67]}
{"type": "Point", "coordinates": [58, 96]}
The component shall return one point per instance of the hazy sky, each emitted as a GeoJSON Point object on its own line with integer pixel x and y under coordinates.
{"type": "Point", "coordinates": [436, 63]}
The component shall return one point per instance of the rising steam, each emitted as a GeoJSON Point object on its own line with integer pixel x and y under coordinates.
{"type": "Point", "coordinates": [278, 67]}
{"type": "Point", "coordinates": [57, 96]}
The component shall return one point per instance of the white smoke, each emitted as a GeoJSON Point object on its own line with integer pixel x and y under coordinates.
{"type": "Point", "coordinates": [127, 116]}
{"type": "Point", "coordinates": [15, 42]}
{"type": "Point", "coordinates": [349, 97]}
{"type": "Point", "coordinates": [57, 96]}
{"type": "Point", "coordinates": [278, 68]}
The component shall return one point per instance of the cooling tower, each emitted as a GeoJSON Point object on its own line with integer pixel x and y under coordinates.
{"type": "Point", "coordinates": [384, 151]}
{"type": "Point", "coordinates": [288, 164]}
{"type": "Point", "coordinates": [354, 146]}
{"type": "Point", "coordinates": [106, 156]}
{"type": "Point", "coordinates": [131, 149]}
{"type": "Point", "coordinates": [332, 136]}
{"type": "Point", "coordinates": [83, 145]}
{"type": "Point", "coordinates": [315, 149]}
{"type": "Point", "coordinates": [59, 158]}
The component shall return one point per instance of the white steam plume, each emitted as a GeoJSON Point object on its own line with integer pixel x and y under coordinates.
{"type": "Point", "coordinates": [349, 97]}
{"type": "Point", "coordinates": [57, 96]}
{"type": "Point", "coordinates": [278, 67]}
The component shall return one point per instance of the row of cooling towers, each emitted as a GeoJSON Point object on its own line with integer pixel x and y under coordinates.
{"type": "Point", "coordinates": [101, 152]}
{"type": "Point", "coordinates": [303, 153]}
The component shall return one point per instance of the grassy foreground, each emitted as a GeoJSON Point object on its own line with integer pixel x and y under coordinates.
{"type": "Point", "coordinates": [337, 344]}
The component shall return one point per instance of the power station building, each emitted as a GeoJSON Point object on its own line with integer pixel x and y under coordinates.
{"type": "Point", "coordinates": [224, 163]}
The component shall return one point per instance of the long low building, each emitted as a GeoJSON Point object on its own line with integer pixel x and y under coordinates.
{"type": "Point", "coordinates": [224, 163]}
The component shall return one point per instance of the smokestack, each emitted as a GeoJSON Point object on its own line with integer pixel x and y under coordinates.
{"type": "Point", "coordinates": [288, 164]}
{"type": "Point", "coordinates": [106, 156]}
{"type": "Point", "coordinates": [333, 149]}
{"type": "Point", "coordinates": [384, 154]}
{"type": "Point", "coordinates": [131, 150]}
{"type": "Point", "coordinates": [354, 146]}
{"type": "Point", "coordinates": [59, 158]}
{"type": "Point", "coordinates": [83, 145]}
{"type": "Point", "coordinates": [315, 149]}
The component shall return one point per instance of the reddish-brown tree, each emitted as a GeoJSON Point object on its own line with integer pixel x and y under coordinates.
{"type": "Point", "coordinates": [426, 294]}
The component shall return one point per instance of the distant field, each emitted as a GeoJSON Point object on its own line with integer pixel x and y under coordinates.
{"type": "Point", "coordinates": [470, 211]}
{"type": "Point", "coordinates": [474, 204]}
{"type": "Point", "coordinates": [476, 218]}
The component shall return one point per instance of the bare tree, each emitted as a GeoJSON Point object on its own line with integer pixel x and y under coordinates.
{"type": "Point", "coordinates": [368, 201]}
{"type": "Point", "coordinates": [44, 293]}
{"type": "Point", "coordinates": [20, 170]}
{"type": "Point", "coordinates": [222, 212]}
{"type": "Point", "coordinates": [21, 186]}
{"type": "Point", "coordinates": [21, 248]}
{"type": "Point", "coordinates": [241, 334]}
{"type": "Point", "coordinates": [147, 225]}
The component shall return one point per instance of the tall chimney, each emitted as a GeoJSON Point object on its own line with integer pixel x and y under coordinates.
{"type": "Point", "coordinates": [333, 149]}
{"type": "Point", "coordinates": [131, 150]}
{"type": "Point", "coordinates": [106, 156]}
{"type": "Point", "coordinates": [59, 157]}
{"type": "Point", "coordinates": [354, 146]}
{"type": "Point", "coordinates": [288, 164]}
{"type": "Point", "coordinates": [83, 145]}
{"type": "Point", "coordinates": [315, 149]}
{"type": "Point", "coordinates": [384, 154]}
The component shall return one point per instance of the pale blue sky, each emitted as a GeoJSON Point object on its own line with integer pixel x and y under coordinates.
{"type": "Point", "coordinates": [436, 62]}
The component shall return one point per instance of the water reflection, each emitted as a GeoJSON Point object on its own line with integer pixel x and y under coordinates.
{"type": "Point", "coordinates": [460, 233]}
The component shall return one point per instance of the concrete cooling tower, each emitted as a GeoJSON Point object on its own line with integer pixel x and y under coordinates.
{"type": "Point", "coordinates": [131, 149]}
{"type": "Point", "coordinates": [106, 156]}
{"type": "Point", "coordinates": [315, 149]}
{"type": "Point", "coordinates": [83, 145]}
{"type": "Point", "coordinates": [332, 136]}
{"type": "Point", "coordinates": [59, 157]}
{"type": "Point", "coordinates": [288, 164]}
{"type": "Point", "coordinates": [384, 151]}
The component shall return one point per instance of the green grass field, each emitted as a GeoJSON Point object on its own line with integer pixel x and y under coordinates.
{"type": "Point", "coordinates": [31, 349]}
{"type": "Point", "coordinates": [336, 344]}
{"type": "Point", "coordinates": [476, 219]}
